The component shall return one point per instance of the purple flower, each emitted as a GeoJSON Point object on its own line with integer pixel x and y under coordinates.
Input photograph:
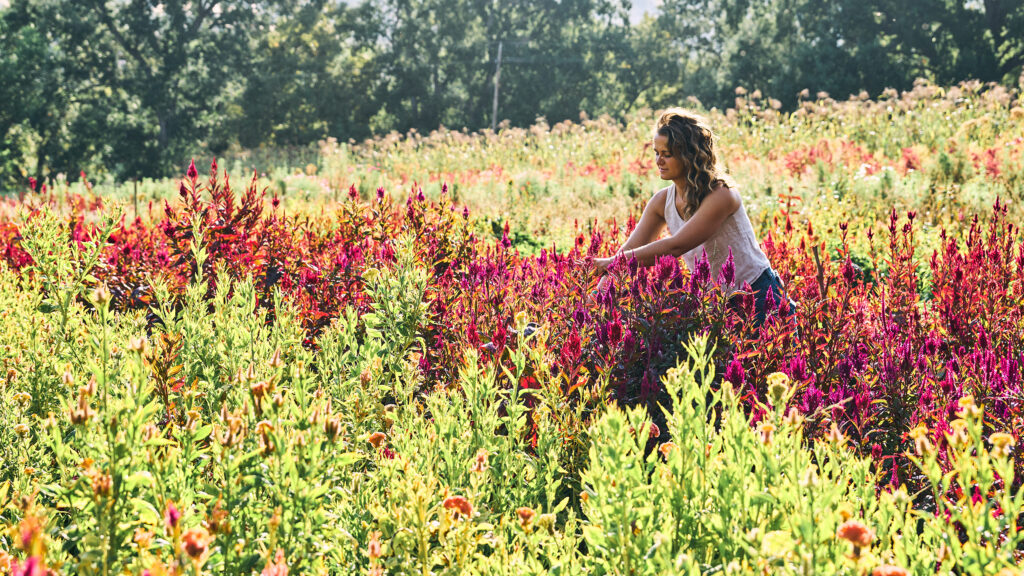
{"type": "Point", "coordinates": [172, 516]}
{"type": "Point", "coordinates": [728, 273]}
{"type": "Point", "coordinates": [812, 400]}
{"type": "Point", "coordinates": [735, 373]}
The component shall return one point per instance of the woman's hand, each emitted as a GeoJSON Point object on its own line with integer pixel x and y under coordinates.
{"type": "Point", "coordinates": [601, 265]}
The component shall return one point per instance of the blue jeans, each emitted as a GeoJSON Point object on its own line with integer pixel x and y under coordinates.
{"type": "Point", "coordinates": [768, 281]}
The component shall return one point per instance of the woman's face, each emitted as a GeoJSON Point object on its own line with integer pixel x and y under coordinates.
{"type": "Point", "coordinates": [669, 167]}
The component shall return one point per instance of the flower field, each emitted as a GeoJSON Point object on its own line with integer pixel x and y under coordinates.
{"type": "Point", "coordinates": [396, 362]}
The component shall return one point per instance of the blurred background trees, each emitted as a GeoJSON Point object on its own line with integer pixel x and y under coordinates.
{"type": "Point", "coordinates": [131, 88]}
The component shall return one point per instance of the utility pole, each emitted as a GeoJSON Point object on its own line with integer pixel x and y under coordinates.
{"type": "Point", "coordinates": [497, 82]}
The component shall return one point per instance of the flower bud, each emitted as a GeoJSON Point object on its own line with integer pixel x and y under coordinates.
{"type": "Point", "coordinates": [100, 296]}
{"type": "Point", "coordinates": [377, 438]}
{"type": "Point", "coordinates": [525, 516]}
{"type": "Point", "coordinates": [778, 387]}
{"type": "Point", "coordinates": [373, 547]}
{"type": "Point", "coordinates": [459, 504]}
{"type": "Point", "coordinates": [666, 449]}
{"type": "Point", "coordinates": [195, 542]}
{"type": "Point", "coordinates": [102, 484]}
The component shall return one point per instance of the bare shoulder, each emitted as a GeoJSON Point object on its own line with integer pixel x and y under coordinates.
{"type": "Point", "coordinates": [728, 198]}
{"type": "Point", "coordinates": [657, 202]}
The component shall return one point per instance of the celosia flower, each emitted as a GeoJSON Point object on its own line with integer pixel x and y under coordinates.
{"type": "Point", "coordinates": [922, 445]}
{"type": "Point", "coordinates": [766, 429]}
{"type": "Point", "coordinates": [666, 449]}
{"type": "Point", "coordinates": [278, 567]}
{"type": "Point", "coordinates": [967, 408]}
{"type": "Point", "coordinates": [856, 533]}
{"type": "Point", "coordinates": [33, 567]}
{"type": "Point", "coordinates": [835, 436]}
{"type": "Point", "coordinates": [376, 439]}
{"type": "Point", "coordinates": [480, 462]}
{"type": "Point", "coordinates": [373, 547]}
{"type": "Point", "coordinates": [546, 521]}
{"type": "Point", "coordinates": [778, 386]}
{"type": "Point", "coordinates": [959, 435]}
{"type": "Point", "coordinates": [192, 173]}
{"type": "Point", "coordinates": [525, 515]}
{"type": "Point", "coordinates": [143, 538]}
{"type": "Point", "coordinates": [1001, 444]}
{"type": "Point", "coordinates": [171, 516]}
{"type": "Point", "coordinates": [459, 504]}
{"type": "Point", "coordinates": [102, 484]}
{"type": "Point", "coordinates": [195, 542]}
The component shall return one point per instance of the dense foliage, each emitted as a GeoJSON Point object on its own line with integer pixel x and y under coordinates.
{"type": "Point", "coordinates": [229, 380]}
{"type": "Point", "coordinates": [177, 79]}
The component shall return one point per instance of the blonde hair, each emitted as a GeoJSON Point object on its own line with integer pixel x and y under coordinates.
{"type": "Point", "coordinates": [691, 139]}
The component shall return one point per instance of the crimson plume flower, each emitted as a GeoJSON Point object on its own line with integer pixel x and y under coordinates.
{"type": "Point", "coordinates": [459, 504]}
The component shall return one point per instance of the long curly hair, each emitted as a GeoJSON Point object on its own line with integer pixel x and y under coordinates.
{"type": "Point", "coordinates": [691, 139]}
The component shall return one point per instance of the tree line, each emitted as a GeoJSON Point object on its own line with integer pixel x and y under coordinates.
{"type": "Point", "coordinates": [133, 88]}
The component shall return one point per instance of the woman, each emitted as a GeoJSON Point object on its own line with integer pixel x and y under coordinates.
{"type": "Point", "coordinates": [703, 212]}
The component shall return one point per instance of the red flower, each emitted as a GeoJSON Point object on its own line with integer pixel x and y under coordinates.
{"type": "Point", "coordinates": [856, 533]}
{"type": "Point", "coordinates": [172, 516]}
{"type": "Point", "coordinates": [195, 542]}
{"type": "Point", "coordinates": [459, 504]}
{"type": "Point", "coordinates": [278, 568]}
{"type": "Point", "coordinates": [192, 173]}
{"type": "Point", "coordinates": [33, 567]}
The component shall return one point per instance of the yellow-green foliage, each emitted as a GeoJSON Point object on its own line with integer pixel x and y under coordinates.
{"type": "Point", "coordinates": [208, 441]}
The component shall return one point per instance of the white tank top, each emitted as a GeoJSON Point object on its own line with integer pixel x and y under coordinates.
{"type": "Point", "coordinates": [736, 232]}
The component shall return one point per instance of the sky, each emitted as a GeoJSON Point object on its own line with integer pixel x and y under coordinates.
{"type": "Point", "coordinates": [638, 9]}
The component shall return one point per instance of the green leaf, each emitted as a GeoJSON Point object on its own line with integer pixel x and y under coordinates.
{"type": "Point", "coordinates": [47, 307]}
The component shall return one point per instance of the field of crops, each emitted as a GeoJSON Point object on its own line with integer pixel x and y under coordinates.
{"type": "Point", "coordinates": [393, 361]}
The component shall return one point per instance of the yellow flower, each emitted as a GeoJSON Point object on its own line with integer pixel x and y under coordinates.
{"type": "Point", "coordinates": [520, 319]}
{"type": "Point", "coordinates": [766, 429]}
{"type": "Point", "coordinates": [1001, 444]}
{"type": "Point", "coordinates": [778, 387]}
{"type": "Point", "coordinates": [834, 436]}
{"type": "Point", "coordinates": [968, 409]}
{"type": "Point", "coordinates": [959, 435]}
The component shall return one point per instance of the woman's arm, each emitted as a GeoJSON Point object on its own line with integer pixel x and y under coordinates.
{"type": "Point", "coordinates": [716, 207]}
{"type": "Point", "coordinates": [652, 222]}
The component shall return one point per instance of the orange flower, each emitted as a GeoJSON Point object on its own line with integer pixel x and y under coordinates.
{"type": "Point", "coordinates": [195, 542]}
{"type": "Point", "coordinates": [373, 548]}
{"type": "Point", "coordinates": [377, 438]}
{"type": "Point", "coordinates": [278, 568]}
{"type": "Point", "coordinates": [666, 448]}
{"type": "Point", "coordinates": [525, 515]}
{"type": "Point", "coordinates": [480, 464]}
{"type": "Point", "coordinates": [459, 504]}
{"type": "Point", "coordinates": [856, 533]}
